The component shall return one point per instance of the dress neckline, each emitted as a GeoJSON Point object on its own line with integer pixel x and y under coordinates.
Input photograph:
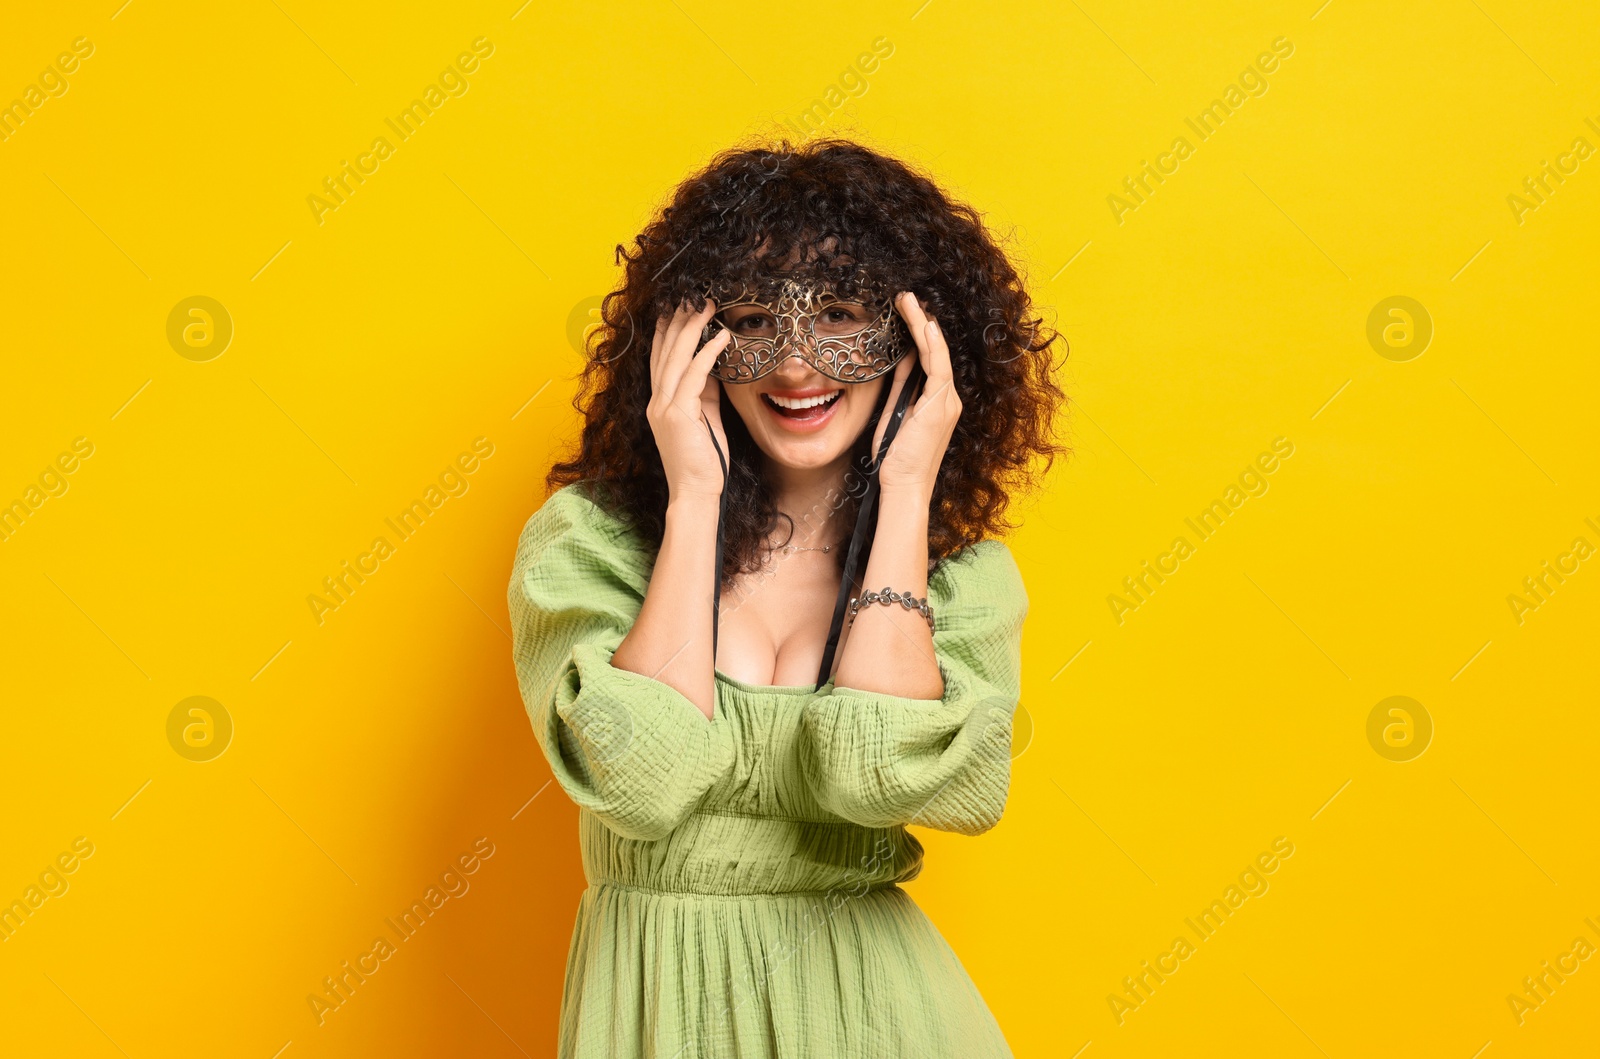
{"type": "Point", "coordinates": [787, 689]}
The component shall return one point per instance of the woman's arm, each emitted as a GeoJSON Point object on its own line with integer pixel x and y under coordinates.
{"type": "Point", "coordinates": [631, 750]}
{"type": "Point", "coordinates": [671, 640]}
{"type": "Point", "coordinates": [880, 759]}
{"type": "Point", "coordinates": [890, 648]}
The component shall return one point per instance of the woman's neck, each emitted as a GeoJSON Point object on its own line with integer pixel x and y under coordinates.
{"type": "Point", "coordinates": [812, 497]}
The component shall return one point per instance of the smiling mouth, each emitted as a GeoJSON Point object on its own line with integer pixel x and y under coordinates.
{"type": "Point", "coordinates": [802, 409]}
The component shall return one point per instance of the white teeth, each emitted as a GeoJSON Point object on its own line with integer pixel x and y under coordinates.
{"type": "Point", "coordinates": [797, 403]}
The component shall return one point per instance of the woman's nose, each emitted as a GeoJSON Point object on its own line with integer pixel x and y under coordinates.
{"type": "Point", "coordinates": [793, 368]}
{"type": "Point", "coordinates": [791, 340]}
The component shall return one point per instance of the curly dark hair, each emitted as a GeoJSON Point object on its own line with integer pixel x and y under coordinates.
{"type": "Point", "coordinates": [828, 204]}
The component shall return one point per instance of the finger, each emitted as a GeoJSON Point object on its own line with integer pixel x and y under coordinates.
{"type": "Point", "coordinates": [940, 371]}
{"type": "Point", "coordinates": [910, 310]}
{"type": "Point", "coordinates": [688, 393]}
{"type": "Point", "coordinates": [682, 342]}
{"type": "Point", "coordinates": [679, 313]}
{"type": "Point", "coordinates": [681, 360]}
{"type": "Point", "coordinates": [674, 326]}
{"type": "Point", "coordinates": [941, 381]}
{"type": "Point", "coordinates": [917, 323]}
{"type": "Point", "coordinates": [694, 376]}
{"type": "Point", "coordinates": [658, 342]}
{"type": "Point", "coordinates": [933, 352]}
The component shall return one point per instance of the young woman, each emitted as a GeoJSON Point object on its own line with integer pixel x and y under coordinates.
{"type": "Point", "coordinates": [755, 646]}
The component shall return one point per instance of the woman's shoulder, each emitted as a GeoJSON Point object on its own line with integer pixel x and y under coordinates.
{"type": "Point", "coordinates": [984, 576]}
{"type": "Point", "coordinates": [573, 507]}
{"type": "Point", "coordinates": [571, 527]}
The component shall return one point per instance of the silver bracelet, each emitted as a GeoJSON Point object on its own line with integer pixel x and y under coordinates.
{"type": "Point", "coordinates": [887, 595]}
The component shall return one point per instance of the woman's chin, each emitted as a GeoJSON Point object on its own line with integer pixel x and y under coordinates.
{"type": "Point", "coordinates": [807, 453]}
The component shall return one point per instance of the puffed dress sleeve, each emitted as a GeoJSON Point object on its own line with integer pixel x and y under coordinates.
{"type": "Point", "coordinates": [883, 760]}
{"type": "Point", "coordinates": [632, 750]}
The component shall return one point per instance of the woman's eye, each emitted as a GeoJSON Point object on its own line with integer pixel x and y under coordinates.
{"type": "Point", "coordinates": [754, 322]}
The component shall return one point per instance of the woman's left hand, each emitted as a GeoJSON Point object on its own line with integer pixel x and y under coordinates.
{"type": "Point", "coordinates": [919, 447]}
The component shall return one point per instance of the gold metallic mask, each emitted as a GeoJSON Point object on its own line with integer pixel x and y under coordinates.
{"type": "Point", "coordinates": [852, 338]}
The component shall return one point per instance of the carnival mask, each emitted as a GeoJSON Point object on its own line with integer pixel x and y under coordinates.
{"type": "Point", "coordinates": [849, 336]}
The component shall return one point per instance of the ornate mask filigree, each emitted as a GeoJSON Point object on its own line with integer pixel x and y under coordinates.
{"type": "Point", "coordinates": [853, 335]}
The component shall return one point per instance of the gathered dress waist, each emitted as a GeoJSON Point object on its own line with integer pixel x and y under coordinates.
{"type": "Point", "coordinates": [717, 853]}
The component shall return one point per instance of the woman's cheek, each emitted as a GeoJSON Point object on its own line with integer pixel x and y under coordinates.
{"type": "Point", "coordinates": [863, 398]}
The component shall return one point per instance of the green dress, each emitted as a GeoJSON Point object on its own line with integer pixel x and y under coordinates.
{"type": "Point", "coordinates": [743, 898]}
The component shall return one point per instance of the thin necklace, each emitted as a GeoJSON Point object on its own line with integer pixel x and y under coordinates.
{"type": "Point", "coordinates": [826, 548]}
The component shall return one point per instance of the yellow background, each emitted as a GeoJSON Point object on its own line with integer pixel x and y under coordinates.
{"type": "Point", "coordinates": [371, 750]}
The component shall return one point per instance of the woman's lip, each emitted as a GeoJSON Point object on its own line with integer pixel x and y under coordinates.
{"type": "Point", "coordinates": [804, 426]}
{"type": "Point", "coordinates": [810, 391]}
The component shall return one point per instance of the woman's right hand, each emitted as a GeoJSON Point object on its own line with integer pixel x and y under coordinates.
{"type": "Point", "coordinates": [683, 399]}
